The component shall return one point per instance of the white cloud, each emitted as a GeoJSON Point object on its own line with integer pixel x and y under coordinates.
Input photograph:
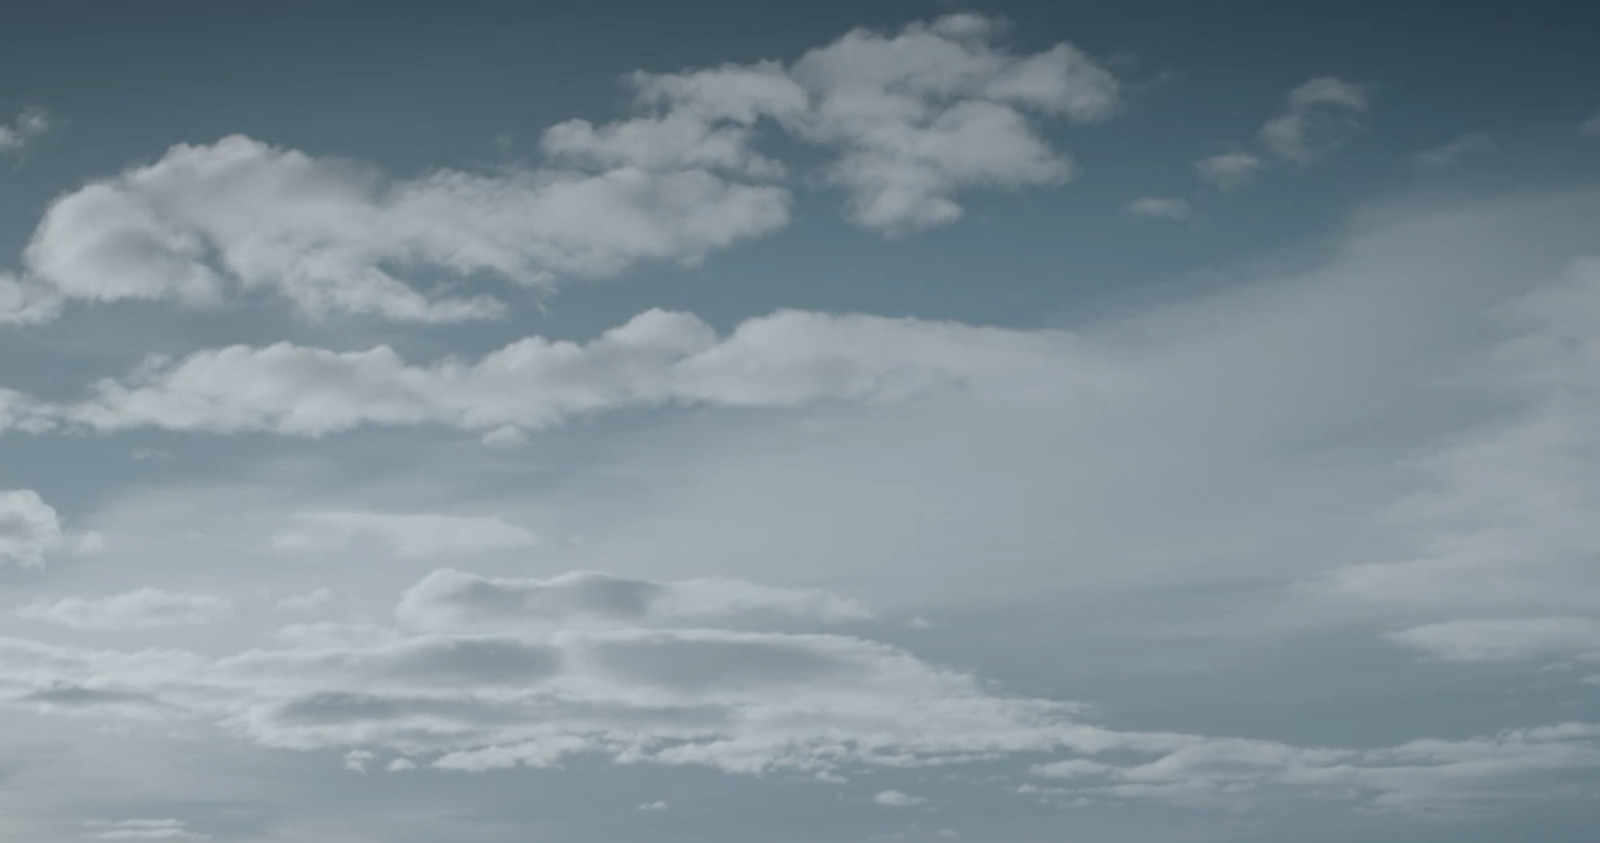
{"type": "Point", "coordinates": [653, 806]}
{"type": "Point", "coordinates": [209, 222]}
{"type": "Point", "coordinates": [144, 608]}
{"type": "Point", "coordinates": [1456, 151]}
{"type": "Point", "coordinates": [787, 359]}
{"type": "Point", "coordinates": [1161, 208]}
{"type": "Point", "coordinates": [896, 799]}
{"type": "Point", "coordinates": [140, 829]}
{"type": "Point", "coordinates": [31, 529]}
{"type": "Point", "coordinates": [356, 760]}
{"type": "Point", "coordinates": [913, 118]}
{"type": "Point", "coordinates": [22, 131]}
{"type": "Point", "coordinates": [1230, 170]}
{"type": "Point", "coordinates": [1505, 639]}
{"type": "Point", "coordinates": [1321, 115]}
{"type": "Point", "coordinates": [409, 534]}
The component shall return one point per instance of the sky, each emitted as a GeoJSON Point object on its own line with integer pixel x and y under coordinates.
{"type": "Point", "coordinates": [1151, 422]}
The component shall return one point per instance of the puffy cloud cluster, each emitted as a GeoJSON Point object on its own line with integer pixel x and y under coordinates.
{"type": "Point", "coordinates": [910, 119]}
{"type": "Point", "coordinates": [30, 529]}
{"type": "Point", "coordinates": [213, 221]}
{"type": "Point", "coordinates": [790, 358]}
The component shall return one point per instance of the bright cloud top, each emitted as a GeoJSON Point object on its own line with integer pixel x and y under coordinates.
{"type": "Point", "coordinates": [30, 529]}
{"type": "Point", "coordinates": [910, 120]}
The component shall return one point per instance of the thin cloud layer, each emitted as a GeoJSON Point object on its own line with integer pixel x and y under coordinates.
{"type": "Point", "coordinates": [24, 130]}
{"type": "Point", "coordinates": [1319, 117]}
{"type": "Point", "coordinates": [1467, 146]}
{"type": "Point", "coordinates": [144, 608]}
{"type": "Point", "coordinates": [413, 535]}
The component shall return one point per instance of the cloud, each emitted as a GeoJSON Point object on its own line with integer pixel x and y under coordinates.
{"type": "Point", "coordinates": [306, 602]}
{"type": "Point", "coordinates": [138, 829]}
{"type": "Point", "coordinates": [1503, 640]}
{"type": "Point", "coordinates": [413, 535]}
{"type": "Point", "coordinates": [1230, 170]}
{"type": "Point", "coordinates": [912, 119]}
{"type": "Point", "coordinates": [1456, 151]}
{"type": "Point", "coordinates": [449, 599]}
{"type": "Point", "coordinates": [788, 359]}
{"type": "Point", "coordinates": [31, 529]}
{"type": "Point", "coordinates": [1590, 127]}
{"type": "Point", "coordinates": [208, 223]}
{"type": "Point", "coordinates": [653, 806]}
{"type": "Point", "coordinates": [144, 608]}
{"type": "Point", "coordinates": [743, 702]}
{"type": "Point", "coordinates": [896, 799]}
{"type": "Point", "coordinates": [1321, 115]}
{"type": "Point", "coordinates": [21, 132]}
{"type": "Point", "coordinates": [1160, 208]}
{"type": "Point", "coordinates": [1504, 522]}
{"type": "Point", "coordinates": [1423, 776]}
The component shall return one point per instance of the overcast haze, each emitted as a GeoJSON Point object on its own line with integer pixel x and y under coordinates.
{"type": "Point", "coordinates": [1151, 422]}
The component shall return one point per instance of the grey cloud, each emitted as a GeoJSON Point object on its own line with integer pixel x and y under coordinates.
{"type": "Point", "coordinates": [1456, 151]}
{"type": "Point", "coordinates": [24, 130]}
{"type": "Point", "coordinates": [410, 534]}
{"type": "Point", "coordinates": [1322, 114]}
{"type": "Point", "coordinates": [144, 608]}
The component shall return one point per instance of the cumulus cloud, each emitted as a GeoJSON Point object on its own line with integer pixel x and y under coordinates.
{"type": "Point", "coordinates": [30, 529]}
{"type": "Point", "coordinates": [413, 535]}
{"type": "Point", "coordinates": [209, 222]}
{"type": "Point", "coordinates": [1156, 207]}
{"type": "Point", "coordinates": [1458, 150]}
{"type": "Point", "coordinates": [144, 608]}
{"type": "Point", "coordinates": [911, 118]}
{"type": "Point", "coordinates": [787, 359]}
{"type": "Point", "coordinates": [21, 132]}
{"type": "Point", "coordinates": [140, 829]}
{"type": "Point", "coordinates": [1230, 170]}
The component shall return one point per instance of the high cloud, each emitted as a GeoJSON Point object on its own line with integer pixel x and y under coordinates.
{"type": "Point", "coordinates": [657, 359]}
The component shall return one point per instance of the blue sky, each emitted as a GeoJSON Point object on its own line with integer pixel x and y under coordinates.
{"type": "Point", "coordinates": [1001, 422]}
